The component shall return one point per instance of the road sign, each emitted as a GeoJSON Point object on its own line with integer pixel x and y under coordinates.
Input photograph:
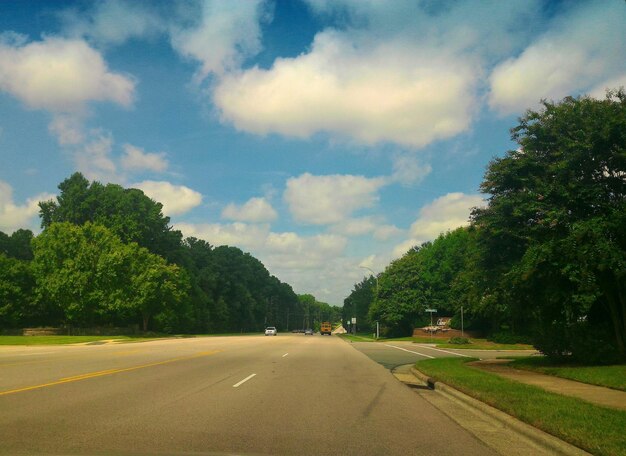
{"type": "Point", "coordinates": [431, 310]}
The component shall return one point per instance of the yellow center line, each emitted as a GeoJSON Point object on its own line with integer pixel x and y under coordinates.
{"type": "Point", "coordinates": [88, 375]}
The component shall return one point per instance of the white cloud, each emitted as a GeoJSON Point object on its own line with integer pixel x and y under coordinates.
{"type": "Point", "coordinates": [444, 213]}
{"type": "Point", "coordinates": [584, 49]}
{"type": "Point", "coordinates": [68, 129]}
{"type": "Point", "coordinates": [255, 210]}
{"type": "Point", "coordinates": [226, 34]}
{"type": "Point", "coordinates": [321, 200]}
{"type": "Point", "coordinates": [112, 22]}
{"type": "Point", "coordinates": [176, 199]}
{"type": "Point", "coordinates": [367, 91]}
{"type": "Point", "coordinates": [14, 216]}
{"type": "Point", "coordinates": [93, 157]}
{"type": "Point", "coordinates": [408, 169]}
{"type": "Point", "coordinates": [366, 225]}
{"type": "Point", "coordinates": [135, 159]}
{"type": "Point", "coordinates": [409, 74]}
{"type": "Point", "coordinates": [235, 234]}
{"type": "Point", "coordinates": [60, 75]}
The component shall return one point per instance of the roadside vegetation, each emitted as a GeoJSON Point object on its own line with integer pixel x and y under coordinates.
{"type": "Point", "coordinates": [108, 257]}
{"type": "Point", "coordinates": [61, 340]}
{"type": "Point", "coordinates": [609, 376]}
{"type": "Point", "coordinates": [596, 429]}
{"type": "Point", "coordinates": [544, 261]}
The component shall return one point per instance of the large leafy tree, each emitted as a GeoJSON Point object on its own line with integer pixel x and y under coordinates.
{"type": "Point", "coordinates": [553, 233]}
{"type": "Point", "coordinates": [91, 277]}
{"type": "Point", "coordinates": [128, 212]}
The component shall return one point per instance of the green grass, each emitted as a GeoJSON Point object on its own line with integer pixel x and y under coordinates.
{"type": "Point", "coordinates": [597, 429]}
{"type": "Point", "coordinates": [608, 376]}
{"type": "Point", "coordinates": [58, 340]}
{"type": "Point", "coordinates": [475, 344]}
{"type": "Point", "coordinates": [356, 338]}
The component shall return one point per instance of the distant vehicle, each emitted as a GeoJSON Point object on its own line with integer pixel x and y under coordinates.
{"type": "Point", "coordinates": [270, 331]}
{"type": "Point", "coordinates": [326, 328]}
{"type": "Point", "coordinates": [308, 332]}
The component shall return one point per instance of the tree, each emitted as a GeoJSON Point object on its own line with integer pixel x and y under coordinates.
{"type": "Point", "coordinates": [129, 213]}
{"type": "Point", "coordinates": [156, 289]}
{"type": "Point", "coordinates": [552, 234]}
{"type": "Point", "coordinates": [359, 301]}
{"type": "Point", "coordinates": [16, 293]}
{"type": "Point", "coordinates": [91, 277]}
{"type": "Point", "coordinates": [17, 245]}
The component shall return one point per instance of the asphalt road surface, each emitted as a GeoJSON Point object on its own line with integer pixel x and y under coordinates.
{"type": "Point", "coordinates": [290, 394]}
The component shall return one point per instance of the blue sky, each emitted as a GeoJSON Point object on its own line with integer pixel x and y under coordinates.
{"type": "Point", "coordinates": [324, 137]}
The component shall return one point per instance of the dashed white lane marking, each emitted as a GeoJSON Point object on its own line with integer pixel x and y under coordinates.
{"type": "Point", "coordinates": [410, 351]}
{"type": "Point", "coordinates": [237, 385]}
{"type": "Point", "coordinates": [285, 354]}
{"type": "Point", "coordinates": [445, 351]}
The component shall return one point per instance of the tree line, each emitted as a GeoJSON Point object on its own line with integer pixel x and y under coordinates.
{"type": "Point", "coordinates": [108, 257]}
{"type": "Point", "coordinates": [545, 260]}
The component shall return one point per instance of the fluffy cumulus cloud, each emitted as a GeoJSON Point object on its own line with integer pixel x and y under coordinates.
{"type": "Point", "coordinates": [176, 199]}
{"type": "Point", "coordinates": [322, 200]}
{"type": "Point", "coordinates": [583, 51]}
{"type": "Point", "coordinates": [444, 213]}
{"type": "Point", "coordinates": [59, 75]}
{"type": "Point", "coordinates": [226, 33]}
{"type": "Point", "coordinates": [255, 210]}
{"type": "Point", "coordinates": [15, 216]}
{"type": "Point", "coordinates": [409, 74]}
{"type": "Point", "coordinates": [136, 159]}
{"type": "Point", "coordinates": [368, 92]}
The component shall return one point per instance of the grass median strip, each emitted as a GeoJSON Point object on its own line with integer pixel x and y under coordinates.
{"type": "Point", "coordinates": [596, 429]}
{"type": "Point", "coordinates": [102, 373]}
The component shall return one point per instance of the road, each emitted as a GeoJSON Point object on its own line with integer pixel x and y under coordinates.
{"type": "Point", "coordinates": [290, 394]}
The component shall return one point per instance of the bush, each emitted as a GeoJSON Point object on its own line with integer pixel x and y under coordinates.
{"type": "Point", "coordinates": [505, 337]}
{"type": "Point", "coordinates": [459, 341]}
{"type": "Point", "coordinates": [578, 343]}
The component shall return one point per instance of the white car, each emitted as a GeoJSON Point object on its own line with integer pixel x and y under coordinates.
{"type": "Point", "coordinates": [270, 331]}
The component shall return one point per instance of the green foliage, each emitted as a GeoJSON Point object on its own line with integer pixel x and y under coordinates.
{"type": "Point", "coordinates": [459, 341]}
{"type": "Point", "coordinates": [310, 312]}
{"type": "Point", "coordinates": [552, 236]}
{"type": "Point", "coordinates": [358, 304]}
{"type": "Point", "coordinates": [90, 277]}
{"type": "Point", "coordinates": [129, 213]}
{"type": "Point", "coordinates": [16, 292]}
{"type": "Point", "coordinates": [17, 245]}
{"type": "Point", "coordinates": [597, 429]}
{"type": "Point", "coordinates": [435, 275]}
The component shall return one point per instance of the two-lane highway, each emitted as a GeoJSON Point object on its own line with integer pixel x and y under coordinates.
{"type": "Point", "coordinates": [289, 394]}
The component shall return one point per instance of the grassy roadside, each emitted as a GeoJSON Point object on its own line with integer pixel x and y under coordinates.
{"type": "Point", "coordinates": [476, 344]}
{"type": "Point", "coordinates": [608, 376]}
{"type": "Point", "coordinates": [60, 340]}
{"type": "Point", "coordinates": [596, 429]}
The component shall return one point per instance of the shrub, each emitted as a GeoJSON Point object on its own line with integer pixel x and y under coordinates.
{"type": "Point", "coordinates": [459, 341]}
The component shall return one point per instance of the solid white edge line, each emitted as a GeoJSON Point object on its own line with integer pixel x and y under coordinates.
{"type": "Point", "coordinates": [404, 349]}
{"type": "Point", "coordinates": [285, 354]}
{"type": "Point", "coordinates": [236, 385]}
{"type": "Point", "coordinates": [446, 351]}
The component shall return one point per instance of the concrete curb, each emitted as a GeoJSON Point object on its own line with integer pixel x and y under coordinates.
{"type": "Point", "coordinates": [539, 437]}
